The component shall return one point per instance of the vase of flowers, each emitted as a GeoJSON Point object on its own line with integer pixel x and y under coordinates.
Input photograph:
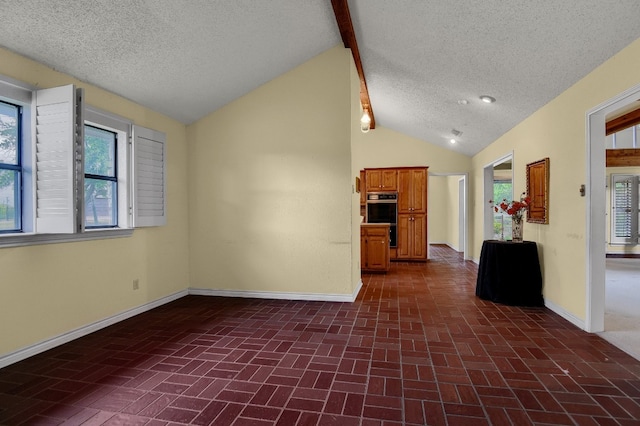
{"type": "Point", "coordinates": [516, 210]}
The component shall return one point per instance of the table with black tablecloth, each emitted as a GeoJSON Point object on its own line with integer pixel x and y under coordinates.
{"type": "Point", "coordinates": [509, 273]}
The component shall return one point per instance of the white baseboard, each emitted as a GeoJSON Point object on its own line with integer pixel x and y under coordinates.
{"type": "Point", "coordinates": [45, 345]}
{"type": "Point", "coordinates": [317, 297]}
{"type": "Point", "coordinates": [53, 342]}
{"type": "Point", "coordinates": [565, 314]}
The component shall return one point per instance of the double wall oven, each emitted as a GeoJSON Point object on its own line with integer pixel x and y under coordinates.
{"type": "Point", "coordinates": [382, 207]}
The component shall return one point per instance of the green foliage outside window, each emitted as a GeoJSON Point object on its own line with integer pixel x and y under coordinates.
{"type": "Point", "coordinates": [99, 162]}
{"type": "Point", "coordinates": [9, 168]}
{"type": "Point", "coordinates": [501, 191]}
{"type": "Point", "coordinates": [8, 141]}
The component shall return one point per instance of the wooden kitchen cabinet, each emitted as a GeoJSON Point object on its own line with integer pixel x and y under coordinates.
{"type": "Point", "coordinates": [412, 236]}
{"type": "Point", "coordinates": [411, 227]}
{"type": "Point", "coordinates": [374, 247]}
{"type": "Point", "coordinates": [412, 214]}
{"type": "Point", "coordinates": [381, 180]}
{"type": "Point", "coordinates": [363, 188]}
{"type": "Point", "coordinates": [412, 190]}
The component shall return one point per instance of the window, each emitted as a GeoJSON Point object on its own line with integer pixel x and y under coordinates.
{"type": "Point", "coordinates": [10, 168]}
{"type": "Point", "coordinates": [100, 178]}
{"type": "Point", "coordinates": [67, 168]}
{"type": "Point", "coordinates": [106, 171]}
{"type": "Point", "coordinates": [625, 202]}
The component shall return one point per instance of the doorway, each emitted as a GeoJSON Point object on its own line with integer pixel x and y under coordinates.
{"type": "Point", "coordinates": [498, 185]}
{"type": "Point", "coordinates": [596, 198]}
{"type": "Point", "coordinates": [456, 187]}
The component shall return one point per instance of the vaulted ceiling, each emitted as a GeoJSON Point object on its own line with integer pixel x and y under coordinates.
{"type": "Point", "coordinates": [422, 59]}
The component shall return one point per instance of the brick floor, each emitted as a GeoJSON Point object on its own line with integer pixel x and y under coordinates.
{"type": "Point", "coordinates": [416, 348]}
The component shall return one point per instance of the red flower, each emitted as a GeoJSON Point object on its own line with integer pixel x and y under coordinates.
{"type": "Point", "coordinates": [515, 209]}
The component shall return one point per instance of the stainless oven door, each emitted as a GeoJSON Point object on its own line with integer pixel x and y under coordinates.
{"type": "Point", "coordinates": [384, 211]}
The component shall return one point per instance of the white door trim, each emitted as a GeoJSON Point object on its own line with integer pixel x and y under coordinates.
{"type": "Point", "coordinates": [487, 213]}
{"type": "Point", "coordinates": [462, 217]}
{"type": "Point", "coordinates": [596, 219]}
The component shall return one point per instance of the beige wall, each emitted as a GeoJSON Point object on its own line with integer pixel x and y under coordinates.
{"type": "Point", "coordinates": [557, 131]}
{"type": "Point", "coordinates": [383, 147]}
{"type": "Point", "coordinates": [356, 113]}
{"type": "Point", "coordinates": [438, 219]}
{"type": "Point", "coordinates": [271, 186]}
{"type": "Point", "coordinates": [48, 290]}
{"type": "Point", "coordinates": [618, 248]}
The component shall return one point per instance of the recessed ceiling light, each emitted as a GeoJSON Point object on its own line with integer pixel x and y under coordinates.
{"type": "Point", "coordinates": [452, 140]}
{"type": "Point", "coordinates": [462, 101]}
{"type": "Point", "coordinates": [487, 99]}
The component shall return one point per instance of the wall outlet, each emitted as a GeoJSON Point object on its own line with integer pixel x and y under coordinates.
{"type": "Point", "coordinates": [136, 284]}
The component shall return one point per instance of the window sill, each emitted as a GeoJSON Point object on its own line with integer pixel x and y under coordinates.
{"type": "Point", "coordinates": [19, 240]}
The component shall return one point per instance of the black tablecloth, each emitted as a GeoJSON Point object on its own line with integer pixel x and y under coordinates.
{"type": "Point", "coordinates": [509, 273]}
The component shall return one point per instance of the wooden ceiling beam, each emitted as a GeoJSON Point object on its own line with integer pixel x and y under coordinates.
{"type": "Point", "coordinates": [623, 122]}
{"type": "Point", "coordinates": [343, 19]}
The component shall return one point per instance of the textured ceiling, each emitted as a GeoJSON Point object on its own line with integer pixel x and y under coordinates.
{"type": "Point", "coordinates": [189, 58]}
{"type": "Point", "coordinates": [183, 58]}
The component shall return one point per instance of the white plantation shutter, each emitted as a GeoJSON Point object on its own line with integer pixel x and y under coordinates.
{"type": "Point", "coordinates": [79, 159]}
{"type": "Point", "coordinates": [624, 202]}
{"type": "Point", "coordinates": [149, 172]}
{"type": "Point", "coordinates": [56, 159]}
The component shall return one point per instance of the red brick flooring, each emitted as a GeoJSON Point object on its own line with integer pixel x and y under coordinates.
{"type": "Point", "coordinates": [416, 348]}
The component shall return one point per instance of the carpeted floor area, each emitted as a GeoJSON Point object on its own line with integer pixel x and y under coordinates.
{"type": "Point", "coordinates": [416, 348]}
{"type": "Point", "coordinates": [622, 305]}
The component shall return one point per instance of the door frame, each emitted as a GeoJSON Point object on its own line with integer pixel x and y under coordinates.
{"type": "Point", "coordinates": [596, 198]}
{"type": "Point", "coordinates": [462, 216]}
{"type": "Point", "coordinates": [487, 229]}
{"type": "Point", "coordinates": [464, 177]}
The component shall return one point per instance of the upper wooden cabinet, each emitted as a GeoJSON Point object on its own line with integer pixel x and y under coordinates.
{"type": "Point", "coordinates": [381, 180]}
{"type": "Point", "coordinates": [412, 190]}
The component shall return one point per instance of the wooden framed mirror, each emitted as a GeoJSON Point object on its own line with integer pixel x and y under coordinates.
{"type": "Point", "coordinates": [538, 191]}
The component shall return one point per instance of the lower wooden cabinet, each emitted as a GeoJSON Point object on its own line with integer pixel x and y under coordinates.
{"type": "Point", "coordinates": [412, 236]}
{"type": "Point", "coordinates": [374, 247]}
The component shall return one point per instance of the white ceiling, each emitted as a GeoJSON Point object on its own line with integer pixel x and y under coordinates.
{"type": "Point", "coordinates": [188, 58]}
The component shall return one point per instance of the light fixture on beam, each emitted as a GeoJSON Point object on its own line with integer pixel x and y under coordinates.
{"type": "Point", "coordinates": [365, 121]}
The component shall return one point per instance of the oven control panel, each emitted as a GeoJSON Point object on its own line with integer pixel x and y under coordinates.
{"type": "Point", "coordinates": [382, 196]}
